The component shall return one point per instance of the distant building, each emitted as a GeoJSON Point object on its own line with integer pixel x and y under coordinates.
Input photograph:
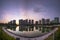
{"type": "Point", "coordinates": [29, 21]}
{"type": "Point", "coordinates": [36, 22]}
{"type": "Point", "coordinates": [56, 19]}
{"type": "Point", "coordinates": [43, 21]}
{"type": "Point", "coordinates": [47, 21]}
{"type": "Point", "coordinates": [23, 25]}
{"type": "Point", "coordinates": [53, 21]}
{"type": "Point", "coordinates": [20, 24]}
{"type": "Point", "coordinates": [39, 21]}
{"type": "Point", "coordinates": [26, 21]}
{"type": "Point", "coordinates": [14, 24]}
{"type": "Point", "coordinates": [10, 24]}
{"type": "Point", "coordinates": [31, 27]}
{"type": "Point", "coordinates": [32, 21]}
{"type": "Point", "coordinates": [13, 21]}
{"type": "Point", "coordinates": [40, 28]}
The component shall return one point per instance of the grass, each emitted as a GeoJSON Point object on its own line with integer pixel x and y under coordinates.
{"type": "Point", "coordinates": [4, 36]}
{"type": "Point", "coordinates": [57, 35]}
{"type": "Point", "coordinates": [50, 37]}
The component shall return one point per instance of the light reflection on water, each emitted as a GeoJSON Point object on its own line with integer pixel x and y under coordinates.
{"type": "Point", "coordinates": [28, 33]}
{"type": "Point", "coordinates": [25, 33]}
{"type": "Point", "coordinates": [17, 29]}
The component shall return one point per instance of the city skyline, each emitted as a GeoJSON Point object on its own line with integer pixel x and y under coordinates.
{"type": "Point", "coordinates": [29, 25]}
{"type": "Point", "coordinates": [32, 21]}
{"type": "Point", "coordinates": [28, 9]}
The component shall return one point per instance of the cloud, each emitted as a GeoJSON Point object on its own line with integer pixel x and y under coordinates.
{"type": "Point", "coordinates": [39, 9]}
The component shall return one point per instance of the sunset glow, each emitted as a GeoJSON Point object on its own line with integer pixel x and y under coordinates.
{"type": "Point", "coordinates": [32, 9]}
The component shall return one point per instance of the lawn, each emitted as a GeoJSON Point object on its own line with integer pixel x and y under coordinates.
{"type": "Point", "coordinates": [50, 37]}
{"type": "Point", "coordinates": [4, 36]}
{"type": "Point", "coordinates": [57, 35]}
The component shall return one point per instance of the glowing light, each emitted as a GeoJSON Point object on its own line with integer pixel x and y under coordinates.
{"type": "Point", "coordinates": [17, 28]}
{"type": "Point", "coordinates": [17, 22]}
{"type": "Point", "coordinates": [22, 14]}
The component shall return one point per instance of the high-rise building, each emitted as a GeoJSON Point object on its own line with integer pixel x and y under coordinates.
{"type": "Point", "coordinates": [56, 20]}
{"type": "Point", "coordinates": [43, 21]}
{"type": "Point", "coordinates": [29, 21]}
{"type": "Point", "coordinates": [14, 21]}
{"type": "Point", "coordinates": [10, 24]}
{"type": "Point", "coordinates": [14, 24]}
{"type": "Point", "coordinates": [40, 26]}
{"type": "Point", "coordinates": [23, 24]}
{"type": "Point", "coordinates": [32, 27]}
{"type": "Point", "coordinates": [39, 21]}
{"type": "Point", "coordinates": [20, 24]}
{"type": "Point", "coordinates": [32, 22]}
{"type": "Point", "coordinates": [26, 21]}
{"type": "Point", "coordinates": [47, 21]}
{"type": "Point", "coordinates": [36, 22]}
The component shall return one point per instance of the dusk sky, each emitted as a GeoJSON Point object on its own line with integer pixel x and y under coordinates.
{"type": "Point", "coordinates": [28, 9]}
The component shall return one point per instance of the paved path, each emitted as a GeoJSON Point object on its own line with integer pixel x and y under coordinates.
{"type": "Point", "coordinates": [37, 38]}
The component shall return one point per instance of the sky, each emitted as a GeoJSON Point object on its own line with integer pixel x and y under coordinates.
{"type": "Point", "coordinates": [28, 9]}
